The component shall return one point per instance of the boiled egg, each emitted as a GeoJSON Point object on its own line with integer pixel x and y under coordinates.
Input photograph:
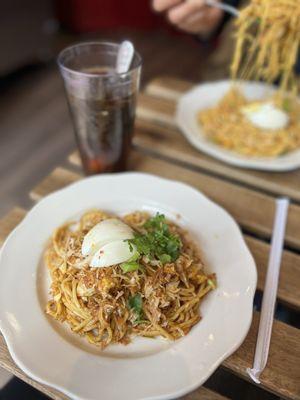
{"type": "Point", "coordinates": [266, 116]}
{"type": "Point", "coordinates": [106, 244]}
{"type": "Point", "coordinates": [113, 253]}
{"type": "Point", "coordinates": [105, 232]}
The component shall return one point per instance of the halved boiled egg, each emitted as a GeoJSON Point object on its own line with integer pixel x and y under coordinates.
{"type": "Point", "coordinates": [106, 243]}
{"type": "Point", "coordinates": [105, 232]}
{"type": "Point", "coordinates": [265, 116]}
{"type": "Point", "coordinates": [113, 253]}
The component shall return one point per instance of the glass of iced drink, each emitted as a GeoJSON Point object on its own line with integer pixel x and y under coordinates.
{"type": "Point", "coordinates": [102, 103]}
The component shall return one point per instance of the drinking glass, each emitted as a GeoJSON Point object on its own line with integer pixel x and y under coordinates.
{"type": "Point", "coordinates": [102, 103]}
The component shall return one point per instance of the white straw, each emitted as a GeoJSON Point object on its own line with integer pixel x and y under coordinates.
{"type": "Point", "coordinates": [270, 291]}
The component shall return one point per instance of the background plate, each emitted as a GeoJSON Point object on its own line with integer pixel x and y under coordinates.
{"type": "Point", "coordinates": [207, 95]}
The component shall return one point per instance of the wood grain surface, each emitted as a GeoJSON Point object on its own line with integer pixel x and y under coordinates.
{"type": "Point", "coordinates": [282, 374]}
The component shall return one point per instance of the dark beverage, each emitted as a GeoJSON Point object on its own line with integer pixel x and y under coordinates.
{"type": "Point", "coordinates": [103, 131]}
{"type": "Point", "coordinates": [102, 104]}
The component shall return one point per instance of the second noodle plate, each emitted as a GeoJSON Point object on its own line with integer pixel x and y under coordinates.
{"type": "Point", "coordinates": [208, 95]}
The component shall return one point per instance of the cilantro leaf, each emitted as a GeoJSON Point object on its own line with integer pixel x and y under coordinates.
{"type": "Point", "coordinates": [141, 321]}
{"type": "Point", "coordinates": [135, 303]}
{"type": "Point", "coordinates": [158, 242]}
{"type": "Point", "coordinates": [165, 258]}
{"type": "Point", "coordinates": [130, 266]}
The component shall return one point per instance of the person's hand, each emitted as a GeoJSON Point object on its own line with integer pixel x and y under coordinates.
{"type": "Point", "coordinates": [192, 16]}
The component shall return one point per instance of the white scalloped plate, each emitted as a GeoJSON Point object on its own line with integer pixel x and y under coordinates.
{"type": "Point", "coordinates": [207, 95]}
{"type": "Point", "coordinates": [146, 368]}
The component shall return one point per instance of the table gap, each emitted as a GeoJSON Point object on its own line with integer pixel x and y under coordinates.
{"type": "Point", "coordinates": [266, 239]}
{"type": "Point", "coordinates": [283, 312]}
{"type": "Point", "coordinates": [235, 388]}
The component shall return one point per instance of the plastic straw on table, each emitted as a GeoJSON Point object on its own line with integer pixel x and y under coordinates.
{"type": "Point", "coordinates": [270, 291]}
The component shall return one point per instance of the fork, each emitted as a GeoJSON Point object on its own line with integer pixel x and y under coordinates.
{"type": "Point", "coordinates": [225, 7]}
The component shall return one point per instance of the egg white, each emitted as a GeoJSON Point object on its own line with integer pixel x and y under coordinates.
{"type": "Point", "coordinates": [105, 232]}
{"type": "Point", "coordinates": [266, 116]}
{"type": "Point", "coordinates": [112, 253]}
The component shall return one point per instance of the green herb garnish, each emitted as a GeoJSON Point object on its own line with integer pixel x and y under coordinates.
{"type": "Point", "coordinates": [165, 258]}
{"type": "Point", "coordinates": [135, 303]}
{"type": "Point", "coordinates": [135, 256]}
{"type": "Point", "coordinates": [141, 321]}
{"type": "Point", "coordinates": [158, 242]}
{"type": "Point", "coordinates": [130, 266]}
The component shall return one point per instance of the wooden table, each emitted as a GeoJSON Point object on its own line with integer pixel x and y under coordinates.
{"type": "Point", "coordinates": [249, 196]}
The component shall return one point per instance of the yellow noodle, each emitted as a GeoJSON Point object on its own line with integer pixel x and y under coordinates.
{"type": "Point", "coordinates": [226, 126]}
{"type": "Point", "coordinates": [94, 302]}
{"type": "Point", "coordinates": [268, 40]}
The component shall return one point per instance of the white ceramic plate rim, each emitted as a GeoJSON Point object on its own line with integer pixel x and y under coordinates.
{"type": "Point", "coordinates": [47, 377]}
{"type": "Point", "coordinates": [207, 95]}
